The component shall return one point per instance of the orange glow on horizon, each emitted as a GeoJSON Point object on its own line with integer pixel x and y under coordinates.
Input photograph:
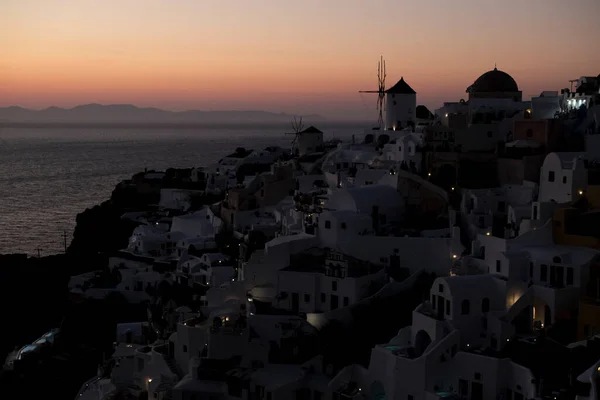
{"type": "Point", "coordinates": [278, 55]}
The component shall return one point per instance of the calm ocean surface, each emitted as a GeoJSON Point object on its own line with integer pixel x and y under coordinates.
{"type": "Point", "coordinates": [49, 175]}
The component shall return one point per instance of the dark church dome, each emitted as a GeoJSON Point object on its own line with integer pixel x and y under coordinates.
{"type": "Point", "coordinates": [494, 81]}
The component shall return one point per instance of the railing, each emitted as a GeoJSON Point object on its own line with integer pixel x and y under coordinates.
{"type": "Point", "coordinates": [86, 385]}
{"type": "Point", "coordinates": [228, 330]}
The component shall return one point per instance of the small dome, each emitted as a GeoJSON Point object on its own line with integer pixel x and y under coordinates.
{"type": "Point", "coordinates": [494, 81]}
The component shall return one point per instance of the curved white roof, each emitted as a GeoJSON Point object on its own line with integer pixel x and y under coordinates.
{"type": "Point", "coordinates": [288, 238]}
{"type": "Point", "coordinates": [214, 257]}
{"type": "Point", "coordinates": [570, 255]}
{"type": "Point", "coordinates": [352, 154]}
{"type": "Point", "coordinates": [567, 159]}
{"type": "Point", "coordinates": [485, 283]}
{"type": "Point", "coordinates": [362, 199]}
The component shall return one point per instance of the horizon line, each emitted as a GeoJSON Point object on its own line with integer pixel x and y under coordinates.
{"type": "Point", "coordinates": [158, 109]}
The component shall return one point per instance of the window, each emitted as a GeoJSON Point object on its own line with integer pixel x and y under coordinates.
{"type": "Point", "coordinates": [344, 225]}
{"type": "Point", "coordinates": [564, 179]}
{"type": "Point", "coordinates": [463, 387]}
{"type": "Point", "coordinates": [409, 397]}
{"type": "Point", "coordinates": [543, 273]}
{"type": "Point", "coordinates": [259, 390]}
{"type": "Point", "coordinates": [447, 307]}
{"type": "Point", "coordinates": [529, 133]}
{"type": "Point", "coordinates": [557, 260]}
{"type": "Point", "coordinates": [569, 276]}
{"type": "Point", "coordinates": [501, 206]}
{"type": "Point", "coordinates": [535, 212]}
{"type": "Point", "coordinates": [323, 297]}
{"type": "Point", "coordinates": [493, 342]}
{"type": "Point", "coordinates": [399, 148]}
{"type": "Point", "coordinates": [441, 288]}
{"type": "Point", "coordinates": [317, 395]}
{"type": "Point", "coordinates": [262, 192]}
{"type": "Point", "coordinates": [489, 133]}
{"type": "Point", "coordinates": [531, 270]}
{"type": "Point", "coordinates": [433, 296]}
{"type": "Point", "coordinates": [327, 224]}
{"type": "Point", "coordinates": [465, 307]}
{"type": "Point", "coordinates": [485, 305]}
{"type": "Point", "coordinates": [306, 298]}
{"type": "Point", "coordinates": [498, 265]}
{"type": "Point", "coordinates": [477, 376]}
{"type": "Point", "coordinates": [184, 348]}
{"type": "Point", "coordinates": [550, 176]}
{"type": "Point", "coordinates": [346, 301]}
{"type": "Point", "coordinates": [333, 285]}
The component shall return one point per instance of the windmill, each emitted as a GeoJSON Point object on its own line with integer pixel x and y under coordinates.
{"type": "Point", "coordinates": [297, 128]}
{"type": "Point", "coordinates": [381, 74]}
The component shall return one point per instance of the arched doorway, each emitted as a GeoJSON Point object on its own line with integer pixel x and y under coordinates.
{"type": "Point", "coordinates": [377, 391]}
{"type": "Point", "coordinates": [422, 341]}
{"type": "Point", "coordinates": [535, 316]}
{"type": "Point", "coordinates": [541, 314]}
{"type": "Point", "coordinates": [382, 140]}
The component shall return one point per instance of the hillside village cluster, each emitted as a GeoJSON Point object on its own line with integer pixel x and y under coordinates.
{"type": "Point", "coordinates": [495, 199]}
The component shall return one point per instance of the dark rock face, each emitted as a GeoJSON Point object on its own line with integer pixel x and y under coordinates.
{"type": "Point", "coordinates": [34, 296]}
{"type": "Point", "coordinates": [100, 229]}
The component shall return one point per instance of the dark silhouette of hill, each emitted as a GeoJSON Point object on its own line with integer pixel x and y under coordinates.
{"type": "Point", "coordinates": [130, 114]}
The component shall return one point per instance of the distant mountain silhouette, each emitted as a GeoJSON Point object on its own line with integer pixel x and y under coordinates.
{"type": "Point", "coordinates": [130, 114]}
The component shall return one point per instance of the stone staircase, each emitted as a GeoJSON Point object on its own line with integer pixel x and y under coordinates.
{"type": "Point", "coordinates": [172, 364]}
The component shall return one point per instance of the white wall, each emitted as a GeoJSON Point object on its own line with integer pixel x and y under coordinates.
{"type": "Point", "coordinates": [176, 199]}
{"type": "Point", "coordinates": [189, 343]}
{"type": "Point", "coordinates": [558, 184]}
{"type": "Point", "coordinates": [320, 288]}
{"type": "Point", "coordinates": [545, 105]}
{"type": "Point", "coordinates": [399, 108]}
{"type": "Point", "coordinates": [309, 142]}
{"type": "Point", "coordinates": [496, 375]}
{"type": "Point", "coordinates": [432, 254]}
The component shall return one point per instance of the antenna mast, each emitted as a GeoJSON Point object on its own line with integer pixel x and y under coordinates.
{"type": "Point", "coordinates": [381, 75]}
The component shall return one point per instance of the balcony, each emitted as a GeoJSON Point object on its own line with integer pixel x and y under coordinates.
{"type": "Point", "coordinates": [427, 310]}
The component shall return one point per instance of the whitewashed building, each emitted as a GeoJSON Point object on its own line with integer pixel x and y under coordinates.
{"type": "Point", "coordinates": [563, 177]}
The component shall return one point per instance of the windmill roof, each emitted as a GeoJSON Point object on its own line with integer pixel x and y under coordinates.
{"type": "Point", "coordinates": [401, 88]}
{"type": "Point", "coordinates": [311, 129]}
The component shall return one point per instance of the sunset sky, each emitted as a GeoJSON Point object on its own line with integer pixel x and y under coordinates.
{"type": "Point", "coordinates": [303, 56]}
